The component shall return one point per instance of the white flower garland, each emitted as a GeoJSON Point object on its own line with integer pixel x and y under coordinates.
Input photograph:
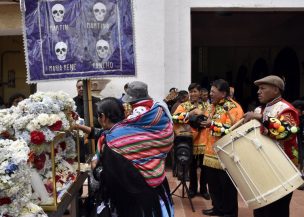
{"type": "Point", "coordinates": [15, 187]}
{"type": "Point", "coordinates": [34, 121]}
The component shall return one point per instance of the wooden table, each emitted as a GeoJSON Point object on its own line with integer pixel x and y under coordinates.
{"type": "Point", "coordinates": [71, 197]}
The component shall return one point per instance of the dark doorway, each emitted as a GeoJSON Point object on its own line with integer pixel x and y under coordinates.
{"type": "Point", "coordinates": [286, 65]}
{"type": "Point", "coordinates": [242, 47]}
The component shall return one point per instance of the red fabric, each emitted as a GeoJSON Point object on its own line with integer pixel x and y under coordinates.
{"type": "Point", "coordinates": [100, 143]}
{"type": "Point", "coordinates": [292, 117]}
{"type": "Point", "coordinates": [145, 103]}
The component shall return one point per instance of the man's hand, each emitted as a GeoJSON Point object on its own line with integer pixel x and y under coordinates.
{"type": "Point", "coordinates": [94, 164]}
{"type": "Point", "coordinates": [196, 111]}
{"type": "Point", "coordinates": [206, 124]}
{"type": "Point", "coordinates": [252, 115]}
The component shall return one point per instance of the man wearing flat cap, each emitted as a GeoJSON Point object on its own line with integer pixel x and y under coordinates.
{"type": "Point", "coordinates": [275, 108]}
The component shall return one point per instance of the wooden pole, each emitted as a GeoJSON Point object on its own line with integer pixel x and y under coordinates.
{"type": "Point", "coordinates": [88, 110]}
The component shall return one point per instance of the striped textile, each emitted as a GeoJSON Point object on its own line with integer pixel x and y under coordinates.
{"type": "Point", "coordinates": [145, 141]}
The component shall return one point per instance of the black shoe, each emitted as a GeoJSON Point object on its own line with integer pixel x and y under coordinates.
{"type": "Point", "coordinates": [66, 212]}
{"type": "Point", "coordinates": [206, 195]}
{"type": "Point", "coordinates": [192, 194]}
{"type": "Point", "coordinates": [212, 212]}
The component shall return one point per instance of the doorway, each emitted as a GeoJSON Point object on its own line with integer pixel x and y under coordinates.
{"type": "Point", "coordinates": [242, 47]}
{"type": "Point", "coordinates": [13, 69]}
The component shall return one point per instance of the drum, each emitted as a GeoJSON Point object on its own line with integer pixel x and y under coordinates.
{"type": "Point", "coordinates": [257, 165]}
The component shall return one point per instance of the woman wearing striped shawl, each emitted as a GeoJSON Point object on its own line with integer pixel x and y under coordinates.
{"type": "Point", "coordinates": [133, 156]}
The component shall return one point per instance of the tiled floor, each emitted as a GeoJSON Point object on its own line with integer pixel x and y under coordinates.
{"type": "Point", "coordinates": [183, 208]}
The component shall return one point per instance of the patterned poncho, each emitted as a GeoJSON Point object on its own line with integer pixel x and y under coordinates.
{"type": "Point", "coordinates": [144, 140]}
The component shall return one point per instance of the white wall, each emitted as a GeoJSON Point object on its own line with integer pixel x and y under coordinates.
{"type": "Point", "coordinates": [163, 41]}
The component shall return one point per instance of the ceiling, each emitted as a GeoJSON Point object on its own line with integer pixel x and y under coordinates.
{"type": "Point", "coordinates": [10, 16]}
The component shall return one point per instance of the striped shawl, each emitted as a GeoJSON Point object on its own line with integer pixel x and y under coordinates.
{"type": "Point", "coordinates": [145, 141]}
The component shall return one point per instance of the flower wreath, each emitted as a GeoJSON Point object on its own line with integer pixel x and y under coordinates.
{"type": "Point", "coordinates": [219, 129]}
{"type": "Point", "coordinates": [278, 128]}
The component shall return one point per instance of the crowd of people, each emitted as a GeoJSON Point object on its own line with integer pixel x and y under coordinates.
{"type": "Point", "coordinates": [133, 145]}
{"type": "Point", "coordinates": [12, 101]}
{"type": "Point", "coordinates": [134, 135]}
{"type": "Point", "coordinates": [223, 110]}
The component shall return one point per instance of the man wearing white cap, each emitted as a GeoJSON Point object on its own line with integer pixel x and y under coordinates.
{"type": "Point", "coordinates": [275, 109]}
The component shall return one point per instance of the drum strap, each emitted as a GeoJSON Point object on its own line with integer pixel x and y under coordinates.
{"type": "Point", "coordinates": [196, 156]}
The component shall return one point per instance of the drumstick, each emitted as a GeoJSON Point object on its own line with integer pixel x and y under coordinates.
{"type": "Point", "coordinates": [227, 112]}
{"type": "Point", "coordinates": [237, 124]}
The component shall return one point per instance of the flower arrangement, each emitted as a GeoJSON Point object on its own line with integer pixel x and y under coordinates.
{"type": "Point", "coordinates": [6, 123]}
{"type": "Point", "coordinates": [41, 115]}
{"type": "Point", "coordinates": [66, 168]}
{"type": "Point", "coordinates": [37, 121]}
{"type": "Point", "coordinates": [15, 187]}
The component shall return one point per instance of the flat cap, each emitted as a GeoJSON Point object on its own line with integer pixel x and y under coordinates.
{"type": "Point", "coordinates": [273, 80]}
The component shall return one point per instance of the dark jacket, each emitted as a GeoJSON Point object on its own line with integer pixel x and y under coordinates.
{"type": "Point", "coordinates": [80, 109]}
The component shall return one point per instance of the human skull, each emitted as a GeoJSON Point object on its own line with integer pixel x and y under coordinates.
{"type": "Point", "coordinates": [58, 12]}
{"type": "Point", "coordinates": [99, 10]}
{"type": "Point", "coordinates": [102, 48]}
{"type": "Point", "coordinates": [61, 50]}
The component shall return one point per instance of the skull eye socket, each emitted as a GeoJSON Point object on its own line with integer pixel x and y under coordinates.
{"type": "Point", "coordinates": [63, 49]}
{"type": "Point", "coordinates": [105, 47]}
{"type": "Point", "coordinates": [55, 12]}
{"type": "Point", "coordinates": [61, 11]}
{"type": "Point", "coordinates": [57, 50]}
{"type": "Point", "coordinates": [103, 10]}
{"type": "Point", "coordinates": [96, 10]}
{"type": "Point", "coordinates": [99, 47]}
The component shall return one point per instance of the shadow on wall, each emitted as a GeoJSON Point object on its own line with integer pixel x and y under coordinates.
{"type": "Point", "coordinates": [286, 65]}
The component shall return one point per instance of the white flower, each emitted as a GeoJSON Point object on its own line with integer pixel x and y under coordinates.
{"type": "Point", "coordinates": [32, 210]}
{"type": "Point", "coordinates": [14, 173]}
{"type": "Point", "coordinates": [43, 119]}
{"type": "Point", "coordinates": [21, 122]}
{"type": "Point", "coordinates": [53, 118]}
{"type": "Point", "coordinates": [36, 113]}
